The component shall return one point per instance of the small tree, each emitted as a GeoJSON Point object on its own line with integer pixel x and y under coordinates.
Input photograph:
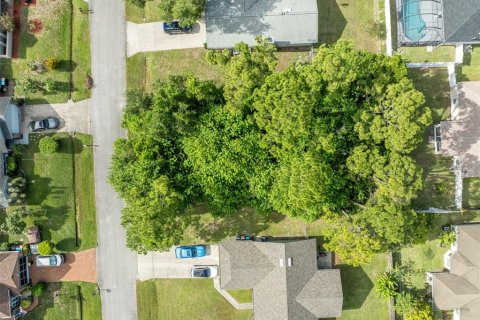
{"type": "Point", "coordinates": [49, 85]}
{"type": "Point", "coordinates": [386, 284]}
{"type": "Point", "coordinates": [186, 11]}
{"type": "Point", "coordinates": [25, 86]}
{"type": "Point", "coordinates": [16, 190]}
{"type": "Point", "coordinates": [38, 289]}
{"type": "Point", "coordinates": [46, 248]}
{"type": "Point", "coordinates": [48, 145]}
{"type": "Point", "coordinates": [7, 23]}
{"type": "Point", "coordinates": [4, 246]}
{"type": "Point", "coordinates": [11, 165]}
{"type": "Point", "coordinates": [13, 224]}
{"type": "Point", "coordinates": [51, 63]}
{"type": "Point", "coordinates": [447, 238]}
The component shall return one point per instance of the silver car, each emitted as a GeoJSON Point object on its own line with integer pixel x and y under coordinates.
{"type": "Point", "coordinates": [53, 260]}
{"type": "Point", "coordinates": [204, 271]}
{"type": "Point", "coordinates": [44, 124]}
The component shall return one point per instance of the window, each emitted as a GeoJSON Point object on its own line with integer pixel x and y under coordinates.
{"type": "Point", "coordinates": [23, 272]}
{"type": "Point", "coordinates": [15, 302]}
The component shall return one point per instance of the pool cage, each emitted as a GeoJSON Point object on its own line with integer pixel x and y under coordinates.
{"type": "Point", "coordinates": [420, 22]}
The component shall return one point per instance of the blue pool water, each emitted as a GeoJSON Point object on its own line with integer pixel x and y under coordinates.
{"type": "Point", "coordinates": [414, 27]}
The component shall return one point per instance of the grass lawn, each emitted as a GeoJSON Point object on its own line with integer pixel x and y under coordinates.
{"type": "Point", "coordinates": [360, 300]}
{"type": "Point", "coordinates": [184, 299]}
{"type": "Point", "coordinates": [471, 193]}
{"type": "Point", "coordinates": [351, 20]}
{"type": "Point", "coordinates": [77, 300]}
{"type": "Point", "coordinates": [439, 180]}
{"type": "Point", "coordinates": [149, 13]}
{"type": "Point", "coordinates": [420, 54]}
{"type": "Point", "coordinates": [470, 69]}
{"type": "Point", "coordinates": [53, 41]}
{"type": "Point", "coordinates": [50, 184]}
{"type": "Point", "coordinates": [242, 296]}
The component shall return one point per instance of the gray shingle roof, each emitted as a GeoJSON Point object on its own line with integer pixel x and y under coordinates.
{"type": "Point", "coordinates": [460, 288]}
{"type": "Point", "coordinates": [461, 20]}
{"type": "Point", "coordinates": [287, 22]}
{"type": "Point", "coordinates": [280, 290]}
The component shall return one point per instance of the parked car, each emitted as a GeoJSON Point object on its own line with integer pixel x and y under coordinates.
{"type": "Point", "coordinates": [204, 271]}
{"type": "Point", "coordinates": [195, 251]}
{"type": "Point", "coordinates": [44, 124]}
{"type": "Point", "coordinates": [50, 261]}
{"type": "Point", "coordinates": [174, 27]}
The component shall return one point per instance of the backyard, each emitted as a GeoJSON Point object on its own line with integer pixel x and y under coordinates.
{"type": "Point", "coordinates": [60, 27]}
{"type": "Point", "coordinates": [58, 183]}
{"type": "Point", "coordinates": [470, 68]}
{"type": "Point", "coordinates": [420, 54]}
{"type": "Point", "coordinates": [75, 301]}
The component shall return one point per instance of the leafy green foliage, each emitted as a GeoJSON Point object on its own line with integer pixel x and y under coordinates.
{"type": "Point", "coordinates": [49, 85]}
{"type": "Point", "coordinates": [25, 86]}
{"type": "Point", "coordinates": [4, 246]}
{"type": "Point", "coordinates": [16, 190]}
{"type": "Point", "coordinates": [46, 248]}
{"type": "Point", "coordinates": [447, 238]}
{"type": "Point", "coordinates": [38, 289]}
{"type": "Point", "coordinates": [11, 165]}
{"type": "Point", "coordinates": [51, 63]}
{"type": "Point", "coordinates": [7, 22]}
{"type": "Point", "coordinates": [186, 11]}
{"type": "Point", "coordinates": [48, 145]}
{"type": "Point", "coordinates": [13, 224]}
{"type": "Point", "coordinates": [386, 284]}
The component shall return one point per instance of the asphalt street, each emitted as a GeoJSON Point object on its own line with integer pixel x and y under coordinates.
{"type": "Point", "coordinates": [116, 265]}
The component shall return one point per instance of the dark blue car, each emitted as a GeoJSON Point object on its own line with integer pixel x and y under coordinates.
{"type": "Point", "coordinates": [185, 252]}
{"type": "Point", "coordinates": [174, 27]}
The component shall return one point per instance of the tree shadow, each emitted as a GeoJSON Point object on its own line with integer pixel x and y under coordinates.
{"type": "Point", "coordinates": [245, 221]}
{"type": "Point", "coordinates": [66, 66]}
{"type": "Point", "coordinates": [356, 286]}
{"type": "Point", "coordinates": [331, 21]}
{"type": "Point", "coordinates": [68, 245]}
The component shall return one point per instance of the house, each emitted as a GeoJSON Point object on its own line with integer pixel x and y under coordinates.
{"type": "Point", "coordinates": [9, 130]}
{"type": "Point", "coordinates": [285, 279]}
{"type": "Point", "coordinates": [6, 36]}
{"type": "Point", "coordinates": [458, 288]}
{"type": "Point", "coordinates": [434, 22]}
{"type": "Point", "coordinates": [285, 22]}
{"type": "Point", "coordinates": [14, 276]}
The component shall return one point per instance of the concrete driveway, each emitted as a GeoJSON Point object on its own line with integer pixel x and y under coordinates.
{"type": "Point", "coordinates": [72, 116]}
{"type": "Point", "coordinates": [164, 264]}
{"type": "Point", "coordinates": [145, 37]}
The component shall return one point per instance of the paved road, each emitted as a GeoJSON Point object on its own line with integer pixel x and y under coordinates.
{"type": "Point", "coordinates": [164, 264]}
{"type": "Point", "coordinates": [72, 116]}
{"type": "Point", "coordinates": [145, 37]}
{"type": "Point", "coordinates": [116, 265]}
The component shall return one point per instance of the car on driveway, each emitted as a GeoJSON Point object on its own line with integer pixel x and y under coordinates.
{"type": "Point", "coordinates": [195, 251]}
{"type": "Point", "coordinates": [174, 27]}
{"type": "Point", "coordinates": [43, 124]}
{"type": "Point", "coordinates": [53, 260]}
{"type": "Point", "coordinates": [204, 271]}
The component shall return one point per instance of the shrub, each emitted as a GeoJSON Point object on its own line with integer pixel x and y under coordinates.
{"type": "Point", "coordinates": [36, 66]}
{"type": "Point", "coordinates": [13, 224]}
{"type": "Point", "coordinates": [386, 284]}
{"type": "Point", "coordinates": [88, 82]}
{"type": "Point", "coordinates": [46, 248]}
{"type": "Point", "coordinates": [4, 246]}
{"type": "Point", "coordinates": [25, 303]}
{"type": "Point", "coordinates": [51, 63]}
{"type": "Point", "coordinates": [138, 3]}
{"type": "Point", "coordinates": [26, 250]}
{"type": "Point", "coordinates": [11, 165]}
{"type": "Point", "coordinates": [49, 85]}
{"type": "Point", "coordinates": [38, 289]}
{"type": "Point", "coordinates": [19, 102]}
{"type": "Point", "coordinates": [7, 22]}
{"type": "Point", "coordinates": [16, 190]}
{"type": "Point", "coordinates": [17, 149]}
{"type": "Point", "coordinates": [48, 145]}
{"type": "Point", "coordinates": [447, 238]}
{"type": "Point", "coordinates": [25, 86]}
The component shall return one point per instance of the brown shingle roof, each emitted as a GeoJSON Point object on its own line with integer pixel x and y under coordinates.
{"type": "Point", "coordinates": [9, 280]}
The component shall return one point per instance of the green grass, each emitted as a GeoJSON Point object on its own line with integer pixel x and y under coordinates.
{"type": "Point", "coordinates": [470, 68]}
{"type": "Point", "coordinates": [184, 299]}
{"type": "Point", "coordinates": [50, 184]}
{"type": "Point", "coordinates": [439, 180]}
{"type": "Point", "coordinates": [242, 296]}
{"type": "Point", "coordinates": [471, 193]}
{"type": "Point", "coordinates": [53, 41]}
{"type": "Point", "coordinates": [149, 13]}
{"type": "Point", "coordinates": [77, 300]}
{"type": "Point", "coordinates": [420, 54]}
{"type": "Point", "coordinates": [360, 301]}
{"type": "Point", "coordinates": [352, 20]}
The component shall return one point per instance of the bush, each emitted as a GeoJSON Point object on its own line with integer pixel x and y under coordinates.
{"type": "Point", "coordinates": [386, 284]}
{"type": "Point", "coordinates": [88, 82]}
{"type": "Point", "coordinates": [19, 102]}
{"type": "Point", "coordinates": [25, 86]}
{"type": "Point", "coordinates": [7, 22]}
{"type": "Point", "coordinates": [138, 3]}
{"type": "Point", "coordinates": [447, 238]}
{"type": "Point", "coordinates": [46, 248]}
{"type": "Point", "coordinates": [13, 224]}
{"type": "Point", "coordinates": [51, 63]}
{"type": "Point", "coordinates": [16, 190]}
{"type": "Point", "coordinates": [38, 289]}
{"type": "Point", "coordinates": [11, 165]}
{"type": "Point", "coordinates": [4, 246]}
{"type": "Point", "coordinates": [49, 85]}
{"type": "Point", "coordinates": [17, 149]}
{"type": "Point", "coordinates": [48, 145]}
{"type": "Point", "coordinates": [25, 303]}
{"type": "Point", "coordinates": [36, 66]}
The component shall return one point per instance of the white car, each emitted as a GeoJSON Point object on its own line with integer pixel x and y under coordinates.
{"type": "Point", "coordinates": [204, 271]}
{"type": "Point", "coordinates": [50, 261]}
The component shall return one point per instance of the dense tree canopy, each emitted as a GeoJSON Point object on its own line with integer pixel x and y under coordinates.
{"type": "Point", "coordinates": [331, 138]}
{"type": "Point", "coordinates": [186, 11]}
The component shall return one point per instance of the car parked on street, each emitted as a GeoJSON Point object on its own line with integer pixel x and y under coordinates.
{"type": "Point", "coordinates": [43, 124]}
{"type": "Point", "coordinates": [195, 251]}
{"type": "Point", "coordinates": [53, 260]}
{"type": "Point", "coordinates": [174, 27]}
{"type": "Point", "coordinates": [204, 271]}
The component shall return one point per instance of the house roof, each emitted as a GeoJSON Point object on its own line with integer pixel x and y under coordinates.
{"type": "Point", "coordinates": [287, 22]}
{"type": "Point", "coordinates": [284, 277]}
{"type": "Point", "coordinates": [460, 288]}
{"type": "Point", "coordinates": [9, 280]}
{"type": "Point", "coordinates": [461, 20]}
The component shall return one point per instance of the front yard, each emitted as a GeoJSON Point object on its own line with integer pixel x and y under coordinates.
{"type": "Point", "coordinates": [470, 68]}
{"type": "Point", "coordinates": [61, 26]}
{"type": "Point", "coordinates": [75, 300]}
{"type": "Point", "coordinates": [420, 54]}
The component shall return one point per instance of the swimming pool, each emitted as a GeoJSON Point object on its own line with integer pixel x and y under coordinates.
{"type": "Point", "coordinates": [414, 26]}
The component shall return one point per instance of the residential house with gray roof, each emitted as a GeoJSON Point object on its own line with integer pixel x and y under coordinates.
{"type": "Point", "coordinates": [458, 288]}
{"type": "Point", "coordinates": [285, 279]}
{"type": "Point", "coordinates": [284, 22]}
{"type": "Point", "coordinates": [433, 22]}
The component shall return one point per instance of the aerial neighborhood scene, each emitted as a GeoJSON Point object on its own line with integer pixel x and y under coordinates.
{"type": "Point", "coordinates": [240, 159]}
